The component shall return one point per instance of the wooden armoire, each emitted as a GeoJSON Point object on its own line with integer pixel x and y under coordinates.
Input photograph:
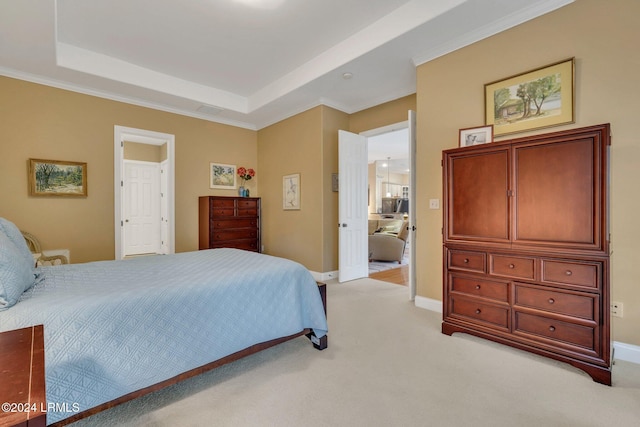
{"type": "Point", "coordinates": [526, 245]}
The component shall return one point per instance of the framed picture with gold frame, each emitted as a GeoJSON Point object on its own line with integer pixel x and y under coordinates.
{"type": "Point", "coordinates": [539, 98]}
{"type": "Point", "coordinates": [222, 176]}
{"type": "Point", "coordinates": [57, 178]}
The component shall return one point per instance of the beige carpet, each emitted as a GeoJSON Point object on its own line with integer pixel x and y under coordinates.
{"type": "Point", "coordinates": [388, 365]}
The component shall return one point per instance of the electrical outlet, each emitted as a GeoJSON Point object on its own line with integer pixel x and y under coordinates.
{"type": "Point", "coordinates": [434, 203]}
{"type": "Point", "coordinates": [616, 309]}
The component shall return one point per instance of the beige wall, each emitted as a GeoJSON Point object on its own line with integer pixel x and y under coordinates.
{"type": "Point", "coordinates": [603, 37]}
{"type": "Point", "coordinates": [332, 122]}
{"type": "Point", "coordinates": [306, 144]}
{"type": "Point", "coordinates": [47, 123]}
{"type": "Point", "coordinates": [144, 152]}
{"type": "Point", "coordinates": [386, 114]}
{"type": "Point", "coordinates": [293, 146]}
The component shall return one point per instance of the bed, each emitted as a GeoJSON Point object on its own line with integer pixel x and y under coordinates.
{"type": "Point", "coordinates": [114, 330]}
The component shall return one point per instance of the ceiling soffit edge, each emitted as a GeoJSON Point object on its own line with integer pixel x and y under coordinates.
{"type": "Point", "coordinates": [493, 28]}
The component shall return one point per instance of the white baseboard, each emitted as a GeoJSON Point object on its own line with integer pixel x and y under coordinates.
{"type": "Point", "coordinates": [621, 351]}
{"type": "Point", "coordinates": [428, 304]}
{"type": "Point", "coordinates": [321, 277]}
{"type": "Point", "coordinates": [626, 352]}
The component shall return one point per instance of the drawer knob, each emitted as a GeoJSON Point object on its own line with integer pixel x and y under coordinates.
{"type": "Point", "coordinates": [552, 328]}
{"type": "Point", "coordinates": [478, 311]}
{"type": "Point", "coordinates": [551, 300]}
{"type": "Point", "coordinates": [568, 273]}
{"type": "Point", "coordinates": [466, 260]}
{"type": "Point", "coordinates": [512, 266]}
{"type": "Point", "coordinates": [477, 287]}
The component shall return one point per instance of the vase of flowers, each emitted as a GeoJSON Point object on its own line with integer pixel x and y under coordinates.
{"type": "Point", "coordinates": [245, 175]}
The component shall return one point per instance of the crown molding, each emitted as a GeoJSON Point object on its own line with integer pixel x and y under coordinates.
{"type": "Point", "coordinates": [33, 78]}
{"type": "Point", "coordinates": [510, 21]}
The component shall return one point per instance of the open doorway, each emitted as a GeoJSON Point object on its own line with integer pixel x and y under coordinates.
{"type": "Point", "coordinates": [144, 192]}
{"type": "Point", "coordinates": [390, 201]}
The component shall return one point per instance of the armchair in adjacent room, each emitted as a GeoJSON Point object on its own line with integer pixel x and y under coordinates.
{"type": "Point", "coordinates": [387, 241]}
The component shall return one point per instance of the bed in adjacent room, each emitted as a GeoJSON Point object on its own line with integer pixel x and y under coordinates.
{"type": "Point", "coordinates": [112, 328]}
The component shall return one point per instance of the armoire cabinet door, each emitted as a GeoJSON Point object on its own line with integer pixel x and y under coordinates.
{"type": "Point", "coordinates": [476, 201]}
{"type": "Point", "coordinates": [557, 194]}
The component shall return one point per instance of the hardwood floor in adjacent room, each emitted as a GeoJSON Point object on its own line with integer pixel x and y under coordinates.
{"type": "Point", "coordinates": [399, 276]}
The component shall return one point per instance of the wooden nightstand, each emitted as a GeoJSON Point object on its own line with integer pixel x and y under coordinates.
{"type": "Point", "coordinates": [22, 386]}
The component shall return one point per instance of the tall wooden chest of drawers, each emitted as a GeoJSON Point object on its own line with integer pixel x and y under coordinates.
{"type": "Point", "coordinates": [526, 245]}
{"type": "Point", "coordinates": [229, 222]}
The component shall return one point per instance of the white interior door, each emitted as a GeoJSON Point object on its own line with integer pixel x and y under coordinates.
{"type": "Point", "coordinates": [412, 205]}
{"type": "Point", "coordinates": [141, 207]}
{"type": "Point", "coordinates": [353, 240]}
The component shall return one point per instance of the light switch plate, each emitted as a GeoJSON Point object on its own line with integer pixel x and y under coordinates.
{"type": "Point", "coordinates": [434, 203]}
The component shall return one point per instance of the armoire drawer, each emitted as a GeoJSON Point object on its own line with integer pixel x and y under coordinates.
{"type": "Point", "coordinates": [246, 244]}
{"type": "Point", "coordinates": [479, 311]}
{"type": "Point", "coordinates": [234, 234]}
{"type": "Point", "coordinates": [222, 211]}
{"type": "Point", "coordinates": [223, 203]}
{"type": "Point", "coordinates": [480, 288]}
{"type": "Point", "coordinates": [571, 273]}
{"type": "Point", "coordinates": [510, 266]}
{"type": "Point", "coordinates": [235, 223]}
{"type": "Point", "coordinates": [247, 211]}
{"type": "Point", "coordinates": [582, 306]}
{"type": "Point", "coordinates": [467, 260]}
{"type": "Point", "coordinates": [582, 336]}
{"type": "Point", "coordinates": [247, 204]}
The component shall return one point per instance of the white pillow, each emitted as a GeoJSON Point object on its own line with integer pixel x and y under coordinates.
{"type": "Point", "coordinates": [16, 273]}
{"type": "Point", "coordinates": [15, 235]}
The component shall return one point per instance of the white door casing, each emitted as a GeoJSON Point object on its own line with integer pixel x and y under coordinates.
{"type": "Point", "coordinates": [164, 208]}
{"type": "Point", "coordinates": [141, 136]}
{"type": "Point", "coordinates": [352, 228]}
{"type": "Point", "coordinates": [141, 205]}
{"type": "Point", "coordinates": [412, 204]}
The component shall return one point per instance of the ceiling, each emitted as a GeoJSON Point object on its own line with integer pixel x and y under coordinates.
{"type": "Point", "coordinates": [391, 149]}
{"type": "Point", "coordinates": [248, 63]}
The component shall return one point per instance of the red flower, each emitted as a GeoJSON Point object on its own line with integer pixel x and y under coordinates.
{"type": "Point", "coordinates": [246, 174]}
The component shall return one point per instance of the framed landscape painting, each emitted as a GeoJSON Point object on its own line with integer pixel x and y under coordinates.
{"type": "Point", "coordinates": [539, 98]}
{"type": "Point", "coordinates": [222, 176]}
{"type": "Point", "coordinates": [57, 178]}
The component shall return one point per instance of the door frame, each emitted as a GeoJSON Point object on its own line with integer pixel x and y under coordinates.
{"type": "Point", "coordinates": [141, 136]}
{"type": "Point", "coordinates": [407, 124]}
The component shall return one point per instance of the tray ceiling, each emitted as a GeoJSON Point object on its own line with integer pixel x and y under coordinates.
{"type": "Point", "coordinates": [248, 63]}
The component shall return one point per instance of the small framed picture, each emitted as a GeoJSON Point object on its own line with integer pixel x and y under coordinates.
{"type": "Point", "coordinates": [476, 136]}
{"type": "Point", "coordinates": [291, 192]}
{"type": "Point", "coordinates": [222, 176]}
{"type": "Point", "coordinates": [57, 178]}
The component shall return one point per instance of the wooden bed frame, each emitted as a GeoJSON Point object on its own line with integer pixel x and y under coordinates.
{"type": "Point", "coordinates": [318, 343]}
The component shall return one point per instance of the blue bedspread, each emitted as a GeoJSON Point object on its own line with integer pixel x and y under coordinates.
{"type": "Point", "coordinates": [113, 327]}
